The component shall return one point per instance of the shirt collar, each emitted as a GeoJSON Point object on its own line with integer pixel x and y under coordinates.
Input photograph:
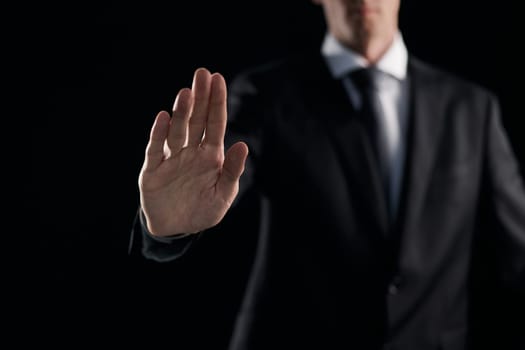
{"type": "Point", "coordinates": [341, 60]}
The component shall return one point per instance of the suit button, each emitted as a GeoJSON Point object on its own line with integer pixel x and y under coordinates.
{"type": "Point", "coordinates": [395, 284]}
{"type": "Point", "coordinates": [393, 289]}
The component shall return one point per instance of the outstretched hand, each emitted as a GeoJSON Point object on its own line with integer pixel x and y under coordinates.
{"type": "Point", "coordinates": [187, 182]}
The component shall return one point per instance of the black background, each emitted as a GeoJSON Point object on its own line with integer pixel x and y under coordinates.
{"type": "Point", "coordinates": [92, 76]}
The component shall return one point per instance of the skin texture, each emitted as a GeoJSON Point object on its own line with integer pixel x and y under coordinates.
{"type": "Point", "coordinates": [187, 182]}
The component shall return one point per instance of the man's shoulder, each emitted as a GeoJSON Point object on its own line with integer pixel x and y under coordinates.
{"type": "Point", "coordinates": [441, 78]}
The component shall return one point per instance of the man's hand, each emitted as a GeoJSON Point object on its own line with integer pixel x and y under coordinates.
{"type": "Point", "coordinates": [187, 182]}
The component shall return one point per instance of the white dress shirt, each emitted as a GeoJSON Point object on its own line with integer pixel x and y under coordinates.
{"type": "Point", "coordinates": [393, 96]}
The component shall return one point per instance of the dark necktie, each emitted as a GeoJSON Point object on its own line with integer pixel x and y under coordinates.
{"type": "Point", "coordinates": [366, 82]}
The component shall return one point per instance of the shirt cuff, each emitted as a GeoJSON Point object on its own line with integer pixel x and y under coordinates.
{"type": "Point", "coordinates": [164, 249]}
{"type": "Point", "coordinates": [164, 239]}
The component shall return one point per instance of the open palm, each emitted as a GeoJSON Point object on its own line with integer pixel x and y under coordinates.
{"type": "Point", "coordinates": [187, 182]}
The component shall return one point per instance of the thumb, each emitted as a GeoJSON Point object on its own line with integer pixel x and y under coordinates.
{"type": "Point", "coordinates": [232, 169]}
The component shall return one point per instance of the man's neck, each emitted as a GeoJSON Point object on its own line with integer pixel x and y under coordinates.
{"type": "Point", "coordinates": [372, 48]}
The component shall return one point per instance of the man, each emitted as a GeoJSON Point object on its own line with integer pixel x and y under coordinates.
{"type": "Point", "coordinates": [372, 225]}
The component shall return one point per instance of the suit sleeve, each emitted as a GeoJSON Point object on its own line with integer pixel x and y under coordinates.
{"type": "Point", "coordinates": [242, 126]}
{"type": "Point", "coordinates": [507, 197]}
{"type": "Point", "coordinates": [160, 249]}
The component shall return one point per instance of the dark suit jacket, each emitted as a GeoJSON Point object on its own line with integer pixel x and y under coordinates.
{"type": "Point", "coordinates": [332, 271]}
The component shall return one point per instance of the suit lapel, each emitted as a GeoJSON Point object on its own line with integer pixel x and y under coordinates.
{"type": "Point", "coordinates": [359, 163]}
{"type": "Point", "coordinates": [351, 145]}
{"type": "Point", "coordinates": [425, 129]}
